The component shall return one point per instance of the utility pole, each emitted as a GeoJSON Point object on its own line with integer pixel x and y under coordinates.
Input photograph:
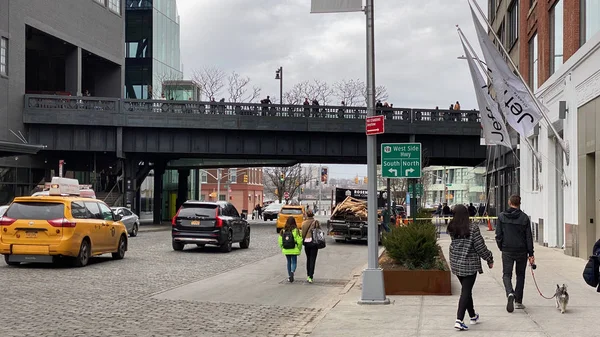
{"type": "Point", "coordinates": [320, 185]}
{"type": "Point", "coordinates": [373, 291]}
{"type": "Point", "coordinates": [218, 184]}
{"type": "Point", "coordinates": [279, 76]}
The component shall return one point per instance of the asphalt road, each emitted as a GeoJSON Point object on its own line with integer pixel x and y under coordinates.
{"type": "Point", "coordinates": [156, 291]}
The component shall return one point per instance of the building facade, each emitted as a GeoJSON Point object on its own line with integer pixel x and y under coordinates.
{"type": "Point", "coordinates": [67, 47]}
{"type": "Point", "coordinates": [152, 44]}
{"type": "Point", "coordinates": [559, 57]}
{"type": "Point", "coordinates": [454, 185]}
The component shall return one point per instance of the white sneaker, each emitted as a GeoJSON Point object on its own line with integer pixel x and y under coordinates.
{"type": "Point", "coordinates": [460, 325]}
{"type": "Point", "coordinates": [475, 319]}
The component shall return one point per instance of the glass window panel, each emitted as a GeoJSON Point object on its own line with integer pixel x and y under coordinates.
{"type": "Point", "coordinates": [556, 36]}
{"type": "Point", "coordinates": [115, 6]}
{"type": "Point", "coordinates": [3, 56]}
{"type": "Point", "coordinates": [592, 18]}
{"type": "Point", "coordinates": [533, 62]}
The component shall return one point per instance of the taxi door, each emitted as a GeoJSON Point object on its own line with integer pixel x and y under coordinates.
{"type": "Point", "coordinates": [109, 227]}
{"type": "Point", "coordinates": [95, 228]}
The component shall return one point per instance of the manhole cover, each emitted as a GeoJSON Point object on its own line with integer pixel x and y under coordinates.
{"type": "Point", "coordinates": [320, 282]}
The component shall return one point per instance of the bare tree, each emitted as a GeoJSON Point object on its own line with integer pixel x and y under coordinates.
{"type": "Point", "coordinates": [211, 80]}
{"type": "Point", "coordinates": [381, 93]}
{"type": "Point", "coordinates": [239, 89]}
{"type": "Point", "coordinates": [279, 180]}
{"type": "Point", "coordinates": [321, 91]}
{"type": "Point", "coordinates": [298, 93]}
{"type": "Point", "coordinates": [349, 91]}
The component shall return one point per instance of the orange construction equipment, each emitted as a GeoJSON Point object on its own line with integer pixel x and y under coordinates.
{"type": "Point", "coordinates": [490, 228]}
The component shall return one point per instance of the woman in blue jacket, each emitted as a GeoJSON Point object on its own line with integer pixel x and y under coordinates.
{"type": "Point", "coordinates": [290, 242]}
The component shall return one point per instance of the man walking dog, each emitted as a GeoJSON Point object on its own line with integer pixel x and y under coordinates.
{"type": "Point", "coordinates": [515, 241]}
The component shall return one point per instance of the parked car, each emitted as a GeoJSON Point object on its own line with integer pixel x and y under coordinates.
{"type": "Point", "coordinates": [129, 219]}
{"type": "Point", "coordinates": [296, 211]}
{"type": "Point", "coordinates": [271, 212]}
{"type": "Point", "coordinates": [209, 223]}
{"type": "Point", "coordinates": [3, 210]}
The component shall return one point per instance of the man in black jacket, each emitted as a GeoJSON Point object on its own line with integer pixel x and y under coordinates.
{"type": "Point", "coordinates": [514, 239]}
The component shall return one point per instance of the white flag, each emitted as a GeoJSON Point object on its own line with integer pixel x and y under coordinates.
{"type": "Point", "coordinates": [516, 103]}
{"type": "Point", "coordinates": [494, 129]}
{"type": "Point", "coordinates": [335, 6]}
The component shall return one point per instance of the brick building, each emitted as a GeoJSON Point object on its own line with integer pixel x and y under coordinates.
{"type": "Point", "coordinates": [243, 187]}
{"type": "Point", "coordinates": [556, 45]}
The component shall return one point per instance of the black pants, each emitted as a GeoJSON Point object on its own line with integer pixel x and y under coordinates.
{"type": "Point", "coordinates": [311, 259]}
{"type": "Point", "coordinates": [508, 261]}
{"type": "Point", "coordinates": [465, 303]}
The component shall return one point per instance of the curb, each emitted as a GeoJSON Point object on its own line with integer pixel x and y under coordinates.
{"type": "Point", "coordinates": [152, 230]}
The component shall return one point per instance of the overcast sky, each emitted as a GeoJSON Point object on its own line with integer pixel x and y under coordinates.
{"type": "Point", "coordinates": [416, 47]}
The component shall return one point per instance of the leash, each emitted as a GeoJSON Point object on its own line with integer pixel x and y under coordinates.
{"type": "Point", "coordinates": [538, 288]}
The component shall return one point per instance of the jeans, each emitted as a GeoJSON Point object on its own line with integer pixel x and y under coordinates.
{"type": "Point", "coordinates": [292, 261]}
{"type": "Point", "coordinates": [508, 261]}
{"type": "Point", "coordinates": [311, 259]}
{"type": "Point", "coordinates": [465, 303]}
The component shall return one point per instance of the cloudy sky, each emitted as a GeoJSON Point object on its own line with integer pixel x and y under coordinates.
{"type": "Point", "coordinates": [416, 47]}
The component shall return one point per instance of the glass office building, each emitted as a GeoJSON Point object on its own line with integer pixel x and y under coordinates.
{"type": "Point", "coordinates": [152, 47]}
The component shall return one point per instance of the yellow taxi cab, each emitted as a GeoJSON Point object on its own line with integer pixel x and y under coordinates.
{"type": "Point", "coordinates": [40, 229]}
{"type": "Point", "coordinates": [297, 211]}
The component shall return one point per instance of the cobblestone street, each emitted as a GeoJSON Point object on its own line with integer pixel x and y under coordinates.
{"type": "Point", "coordinates": [115, 298]}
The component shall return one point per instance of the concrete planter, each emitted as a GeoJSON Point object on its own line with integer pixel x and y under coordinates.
{"type": "Point", "coordinates": [402, 281]}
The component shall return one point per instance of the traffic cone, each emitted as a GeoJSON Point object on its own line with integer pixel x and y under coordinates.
{"type": "Point", "coordinates": [490, 228]}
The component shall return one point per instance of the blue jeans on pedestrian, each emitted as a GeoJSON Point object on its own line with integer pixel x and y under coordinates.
{"type": "Point", "coordinates": [292, 261]}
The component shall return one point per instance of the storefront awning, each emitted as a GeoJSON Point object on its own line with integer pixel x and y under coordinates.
{"type": "Point", "coordinates": [8, 149]}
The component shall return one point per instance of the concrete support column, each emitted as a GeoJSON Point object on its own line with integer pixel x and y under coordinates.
{"type": "Point", "coordinates": [73, 72]}
{"type": "Point", "coordinates": [129, 184]}
{"type": "Point", "coordinates": [182, 187]}
{"type": "Point", "coordinates": [159, 171]}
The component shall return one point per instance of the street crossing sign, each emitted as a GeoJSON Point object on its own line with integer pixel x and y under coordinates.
{"type": "Point", "coordinates": [401, 160]}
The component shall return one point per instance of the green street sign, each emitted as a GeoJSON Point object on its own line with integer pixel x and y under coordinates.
{"type": "Point", "coordinates": [401, 160]}
{"type": "Point", "coordinates": [419, 190]}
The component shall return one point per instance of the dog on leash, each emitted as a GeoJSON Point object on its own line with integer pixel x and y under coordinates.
{"type": "Point", "coordinates": [562, 298]}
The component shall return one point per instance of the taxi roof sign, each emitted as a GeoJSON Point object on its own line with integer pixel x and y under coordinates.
{"type": "Point", "coordinates": [64, 186]}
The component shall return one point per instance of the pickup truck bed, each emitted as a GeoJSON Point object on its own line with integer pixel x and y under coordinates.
{"type": "Point", "coordinates": [347, 230]}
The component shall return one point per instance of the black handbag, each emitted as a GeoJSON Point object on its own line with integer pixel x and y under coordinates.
{"type": "Point", "coordinates": [590, 271]}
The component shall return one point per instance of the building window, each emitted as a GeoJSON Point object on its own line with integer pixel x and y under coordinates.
{"type": "Point", "coordinates": [533, 62]}
{"type": "Point", "coordinates": [556, 37]}
{"type": "Point", "coordinates": [513, 23]}
{"type": "Point", "coordinates": [492, 15]}
{"type": "Point", "coordinates": [203, 177]}
{"type": "Point", "coordinates": [4, 56]}
{"type": "Point", "coordinates": [535, 166]}
{"type": "Point", "coordinates": [233, 175]}
{"type": "Point", "coordinates": [222, 197]}
{"type": "Point", "coordinates": [590, 19]}
{"type": "Point", "coordinates": [102, 2]}
{"type": "Point", "coordinates": [501, 36]}
{"type": "Point", "coordinates": [115, 6]}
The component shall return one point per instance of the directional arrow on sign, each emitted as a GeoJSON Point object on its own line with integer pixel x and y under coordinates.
{"type": "Point", "coordinates": [410, 170]}
{"type": "Point", "coordinates": [394, 171]}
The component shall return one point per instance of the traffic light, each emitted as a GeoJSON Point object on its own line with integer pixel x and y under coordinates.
{"type": "Point", "coordinates": [297, 183]}
{"type": "Point", "coordinates": [245, 178]}
{"type": "Point", "coordinates": [282, 177]}
{"type": "Point", "coordinates": [366, 180]}
{"type": "Point", "coordinates": [302, 190]}
{"type": "Point", "coordinates": [276, 191]}
{"type": "Point", "coordinates": [356, 180]}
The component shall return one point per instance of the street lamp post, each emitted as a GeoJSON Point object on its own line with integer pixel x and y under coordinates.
{"type": "Point", "coordinates": [279, 76]}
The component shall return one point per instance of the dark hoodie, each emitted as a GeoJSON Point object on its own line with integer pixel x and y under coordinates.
{"type": "Point", "coordinates": [513, 232]}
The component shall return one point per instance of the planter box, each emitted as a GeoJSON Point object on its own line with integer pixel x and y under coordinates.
{"type": "Point", "coordinates": [401, 281]}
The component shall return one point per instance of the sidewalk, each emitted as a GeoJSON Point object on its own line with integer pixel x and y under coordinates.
{"type": "Point", "coordinates": [435, 315]}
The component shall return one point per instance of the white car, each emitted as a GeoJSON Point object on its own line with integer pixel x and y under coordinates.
{"type": "Point", "coordinates": [3, 210]}
{"type": "Point", "coordinates": [129, 219]}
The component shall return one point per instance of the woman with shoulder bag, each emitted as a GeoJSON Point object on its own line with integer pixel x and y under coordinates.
{"type": "Point", "coordinates": [290, 242]}
{"type": "Point", "coordinates": [466, 252]}
{"type": "Point", "coordinates": [310, 248]}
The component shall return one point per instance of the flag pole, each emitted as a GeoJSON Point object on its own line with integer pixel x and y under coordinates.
{"type": "Point", "coordinates": [561, 141]}
{"type": "Point", "coordinates": [463, 38]}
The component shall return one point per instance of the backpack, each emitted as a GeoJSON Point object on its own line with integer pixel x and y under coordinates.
{"type": "Point", "coordinates": [289, 242]}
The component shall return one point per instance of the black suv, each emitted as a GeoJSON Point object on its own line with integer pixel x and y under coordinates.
{"type": "Point", "coordinates": [209, 223]}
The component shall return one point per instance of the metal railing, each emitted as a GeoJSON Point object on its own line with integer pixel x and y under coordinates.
{"type": "Point", "coordinates": [126, 106]}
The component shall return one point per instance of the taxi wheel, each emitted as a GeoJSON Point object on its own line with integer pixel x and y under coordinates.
{"type": "Point", "coordinates": [278, 230]}
{"type": "Point", "coordinates": [227, 246]}
{"type": "Point", "coordinates": [12, 264]}
{"type": "Point", "coordinates": [120, 254]}
{"type": "Point", "coordinates": [83, 257]}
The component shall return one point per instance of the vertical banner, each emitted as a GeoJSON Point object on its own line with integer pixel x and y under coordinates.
{"type": "Point", "coordinates": [335, 6]}
{"type": "Point", "coordinates": [324, 175]}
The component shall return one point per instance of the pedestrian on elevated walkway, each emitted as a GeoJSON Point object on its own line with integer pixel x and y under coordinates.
{"type": "Point", "coordinates": [466, 251]}
{"type": "Point", "coordinates": [290, 242]}
{"type": "Point", "coordinates": [515, 241]}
